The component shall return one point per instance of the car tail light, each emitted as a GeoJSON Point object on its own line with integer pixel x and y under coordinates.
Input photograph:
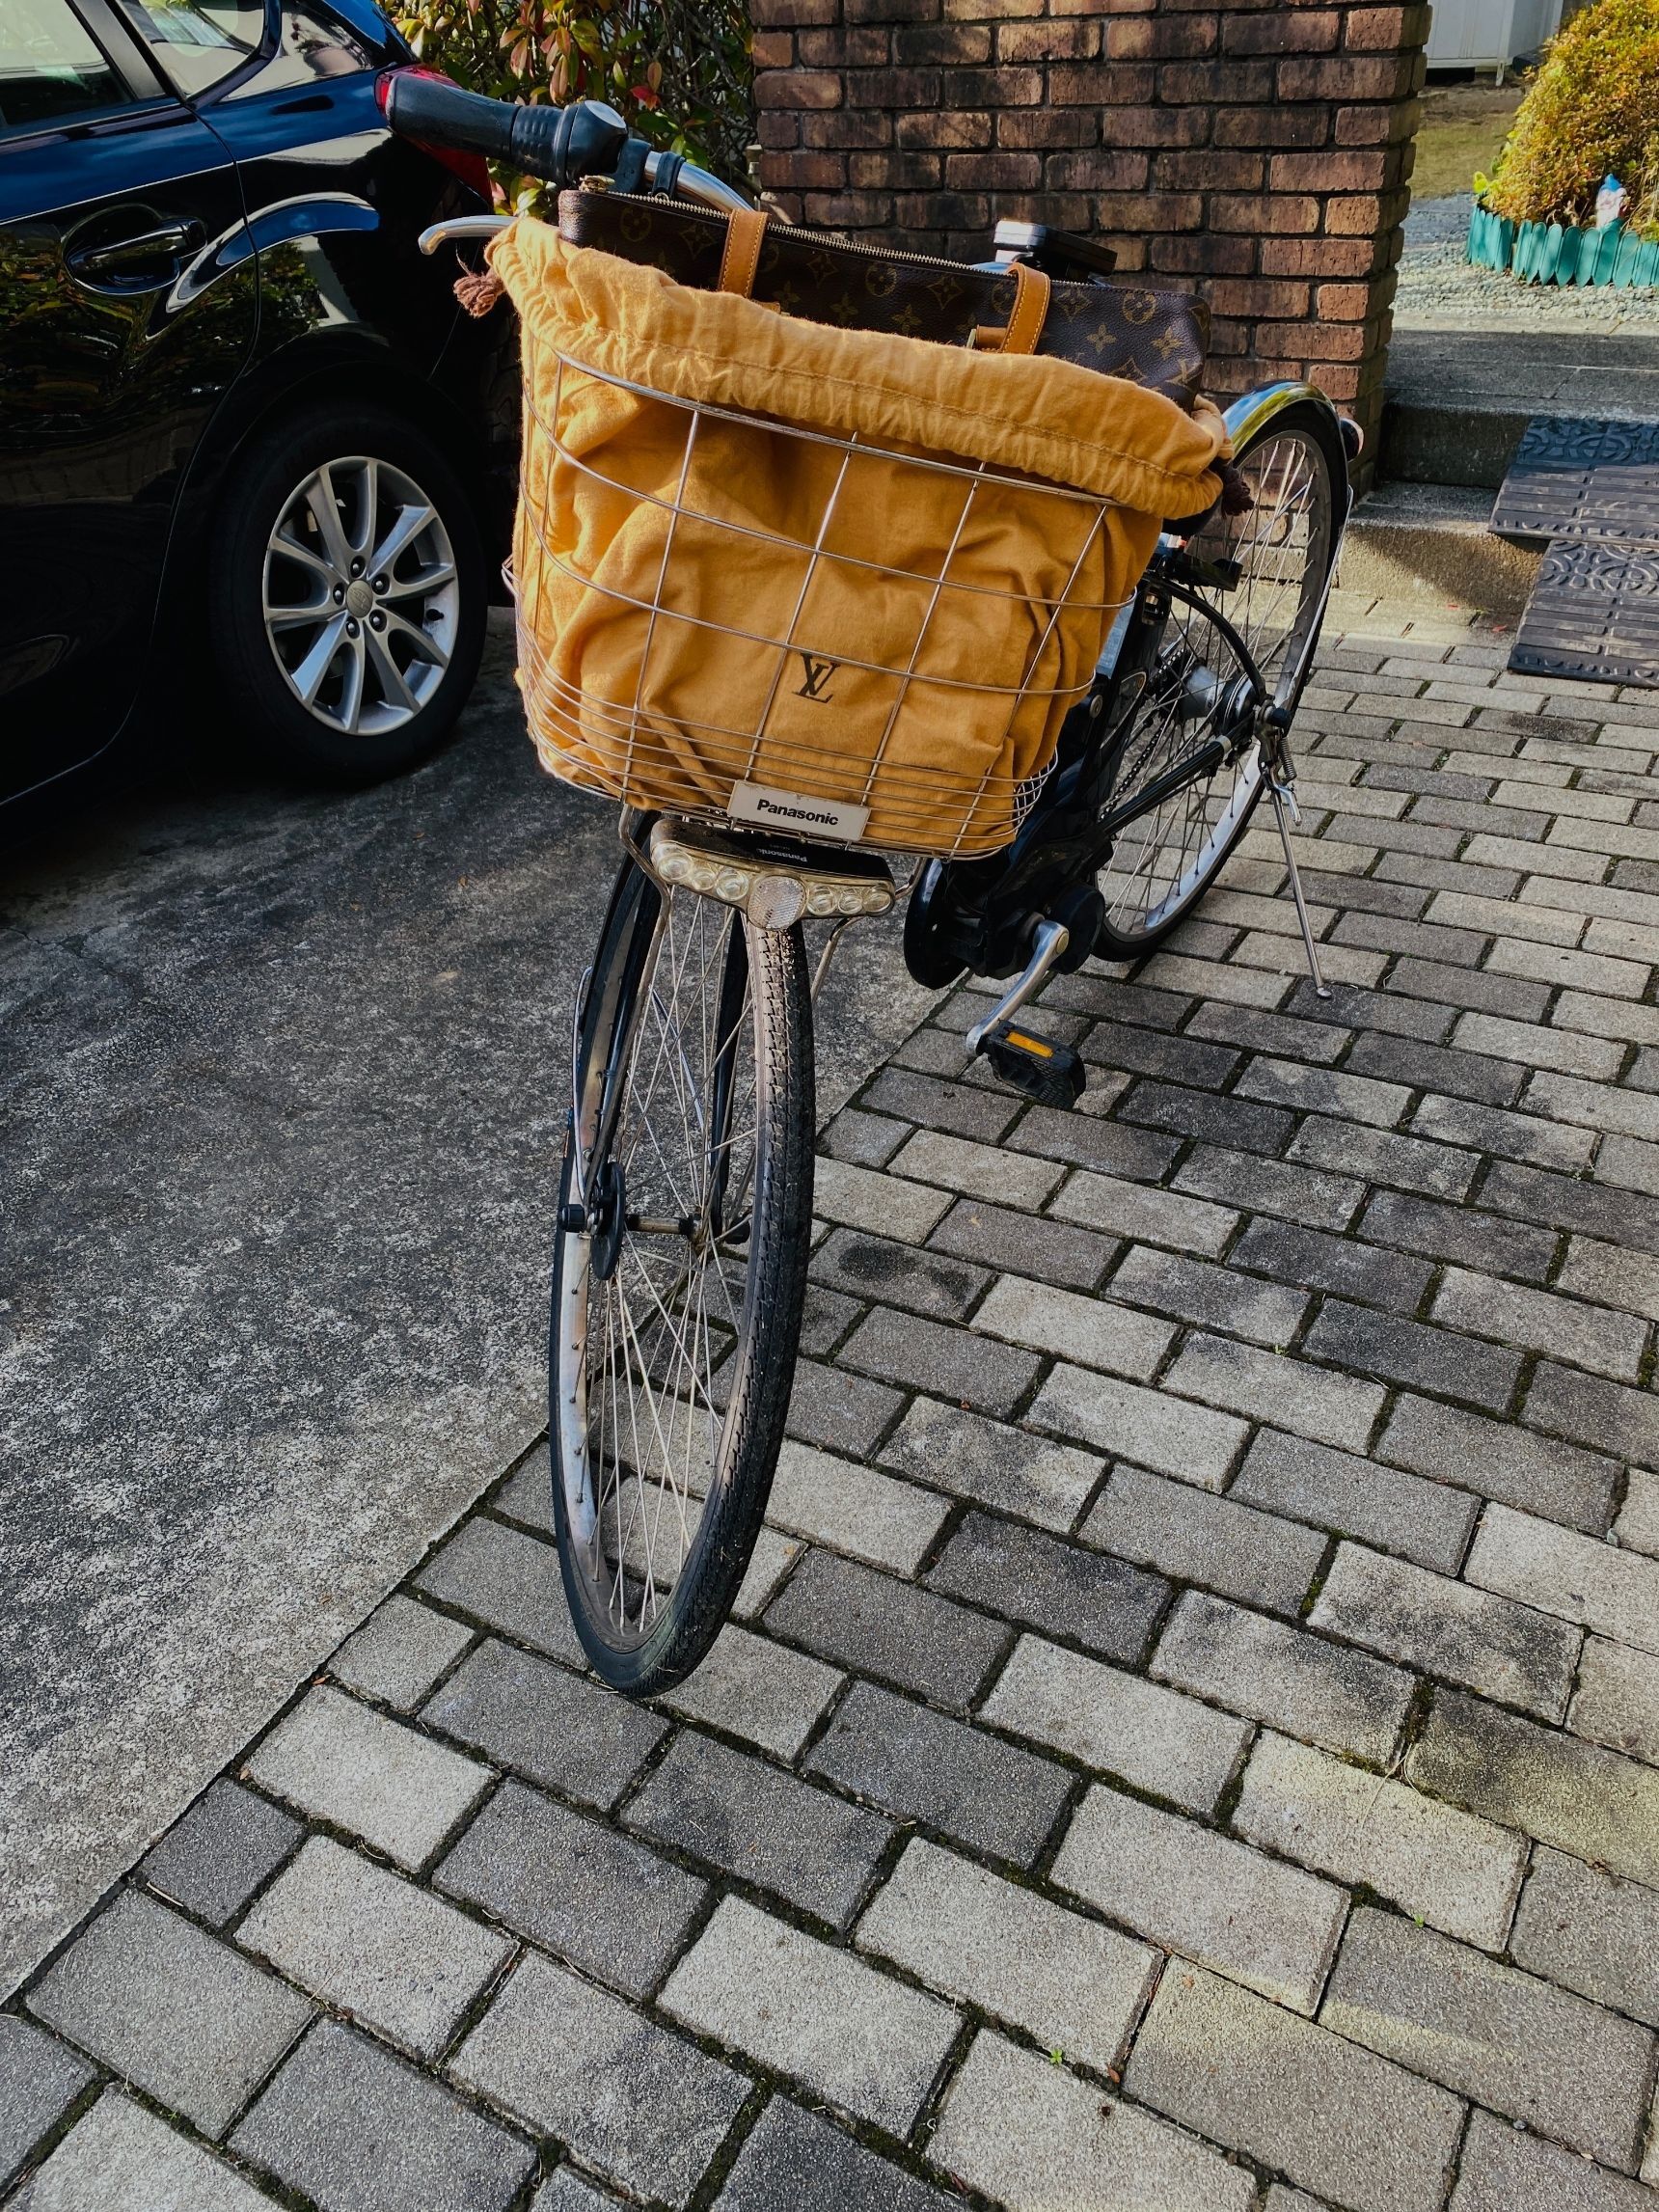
{"type": "Point", "coordinates": [472, 169]}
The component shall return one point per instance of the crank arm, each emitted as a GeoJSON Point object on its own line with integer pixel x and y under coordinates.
{"type": "Point", "coordinates": [1052, 941]}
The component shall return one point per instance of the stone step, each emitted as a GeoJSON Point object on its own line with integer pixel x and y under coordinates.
{"type": "Point", "coordinates": [1429, 541]}
{"type": "Point", "coordinates": [1458, 400]}
{"type": "Point", "coordinates": [1462, 443]}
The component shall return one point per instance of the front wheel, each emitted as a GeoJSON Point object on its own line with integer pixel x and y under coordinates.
{"type": "Point", "coordinates": [1207, 674]}
{"type": "Point", "coordinates": [679, 1272]}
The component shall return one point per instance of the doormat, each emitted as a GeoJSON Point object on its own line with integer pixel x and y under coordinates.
{"type": "Point", "coordinates": [1594, 613]}
{"type": "Point", "coordinates": [1572, 477]}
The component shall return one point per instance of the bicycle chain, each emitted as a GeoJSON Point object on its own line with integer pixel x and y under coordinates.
{"type": "Point", "coordinates": [1156, 694]}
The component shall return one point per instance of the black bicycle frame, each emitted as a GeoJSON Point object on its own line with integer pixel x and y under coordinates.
{"type": "Point", "coordinates": [979, 915]}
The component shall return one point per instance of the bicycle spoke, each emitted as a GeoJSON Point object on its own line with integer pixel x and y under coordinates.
{"type": "Point", "coordinates": [1282, 546]}
{"type": "Point", "coordinates": [665, 1320]}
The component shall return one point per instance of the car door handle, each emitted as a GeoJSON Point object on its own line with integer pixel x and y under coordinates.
{"type": "Point", "coordinates": [123, 258]}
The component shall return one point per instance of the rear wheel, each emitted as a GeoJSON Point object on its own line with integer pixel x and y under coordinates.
{"type": "Point", "coordinates": [679, 1273]}
{"type": "Point", "coordinates": [1201, 688]}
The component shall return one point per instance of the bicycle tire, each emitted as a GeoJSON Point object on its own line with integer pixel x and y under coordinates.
{"type": "Point", "coordinates": [646, 1617]}
{"type": "Point", "coordinates": [1159, 873]}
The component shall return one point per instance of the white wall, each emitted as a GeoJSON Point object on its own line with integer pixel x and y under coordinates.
{"type": "Point", "coordinates": [1486, 34]}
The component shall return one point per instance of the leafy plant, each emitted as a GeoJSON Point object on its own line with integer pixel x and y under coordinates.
{"type": "Point", "coordinates": [678, 70]}
{"type": "Point", "coordinates": [1591, 111]}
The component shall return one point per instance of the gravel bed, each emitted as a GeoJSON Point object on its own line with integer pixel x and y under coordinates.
{"type": "Point", "coordinates": [1438, 222]}
{"type": "Point", "coordinates": [1439, 289]}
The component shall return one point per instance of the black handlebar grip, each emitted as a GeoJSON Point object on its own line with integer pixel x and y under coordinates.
{"type": "Point", "coordinates": [438, 114]}
{"type": "Point", "coordinates": [594, 147]}
{"type": "Point", "coordinates": [557, 144]}
{"type": "Point", "coordinates": [565, 144]}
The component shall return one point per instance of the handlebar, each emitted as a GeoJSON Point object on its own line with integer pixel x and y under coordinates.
{"type": "Point", "coordinates": [558, 144]}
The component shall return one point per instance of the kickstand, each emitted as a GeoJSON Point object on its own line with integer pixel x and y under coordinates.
{"type": "Point", "coordinates": [1285, 812]}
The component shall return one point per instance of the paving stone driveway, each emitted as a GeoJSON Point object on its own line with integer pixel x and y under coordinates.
{"type": "Point", "coordinates": [1193, 1732]}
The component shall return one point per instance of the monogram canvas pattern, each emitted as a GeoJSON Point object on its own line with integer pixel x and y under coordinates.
{"type": "Point", "coordinates": [1156, 338]}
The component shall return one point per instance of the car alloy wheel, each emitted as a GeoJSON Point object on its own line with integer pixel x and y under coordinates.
{"type": "Point", "coordinates": [361, 599]}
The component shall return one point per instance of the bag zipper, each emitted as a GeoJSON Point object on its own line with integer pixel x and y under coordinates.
{"type": "Point", "coordinates": [846, 245]}
{"type": "Point", "coordinates": [834, 238]}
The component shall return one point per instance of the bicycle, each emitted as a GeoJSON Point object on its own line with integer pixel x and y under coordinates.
{"type": "Point", "coordinates": [685, 1204]}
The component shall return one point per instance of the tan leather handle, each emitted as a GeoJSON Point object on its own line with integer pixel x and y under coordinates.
{"type": "Point", "coordinates": [746, 230]}
{"type": "Point", "coordinates": [1024, 327]}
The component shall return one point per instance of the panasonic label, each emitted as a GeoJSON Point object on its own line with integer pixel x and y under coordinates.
{"type": "Point", "coordinates": [798, 814]}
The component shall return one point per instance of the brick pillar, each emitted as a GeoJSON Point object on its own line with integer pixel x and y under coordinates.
{"type": "Point", "coordinates": [1260, 151]}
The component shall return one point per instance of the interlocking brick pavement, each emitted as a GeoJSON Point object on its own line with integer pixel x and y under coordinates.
{"type": "Point", "coordinates": [1190, 1736]}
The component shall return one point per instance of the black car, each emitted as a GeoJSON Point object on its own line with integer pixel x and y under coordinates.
{"type": "Point", "coordinates": [243, 425]}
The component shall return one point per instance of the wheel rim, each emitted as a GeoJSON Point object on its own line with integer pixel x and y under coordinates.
{"type": "Point", "coordinates": [1161, 861]}
{"type": "Point", "coordinates": [1283, 545]}
{"type": "Point", "coordinates": [651, 1310]}
{"type": "Point", "coordinates": [361, 600]}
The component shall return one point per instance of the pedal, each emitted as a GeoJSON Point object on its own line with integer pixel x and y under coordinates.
{"type": "Point", "coordinates": [1052, 1074]}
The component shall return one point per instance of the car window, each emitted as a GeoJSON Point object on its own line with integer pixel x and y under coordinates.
{"type": "Point", "coordinates": [50, 67]}
{"type": "Point", "coordinates": [320, 44]}
{"type": "Point", "coordinates": [311, 44]}
{"type": "Point", "coordinates": [197, 43]}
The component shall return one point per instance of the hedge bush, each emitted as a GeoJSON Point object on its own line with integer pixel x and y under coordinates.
{"type": "Point", "coordinates": [679, 71]}
{"type": "Point", "coordinates": [1593, 110]}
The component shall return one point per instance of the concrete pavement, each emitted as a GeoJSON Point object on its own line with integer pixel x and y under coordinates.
{"type": "Point", "coordinates": [1191, 1735]}
{"type": "Point", "coordinates": [282, 1097]}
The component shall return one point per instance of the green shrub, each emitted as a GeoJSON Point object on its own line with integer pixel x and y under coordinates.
{"type": "Point", "coordinates": [1593, 110]}
{"type": "Point", "coordinates": [679, 71]}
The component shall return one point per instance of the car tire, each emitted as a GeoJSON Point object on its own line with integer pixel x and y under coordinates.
{"type": "Point", "coordinates": [340, 664]}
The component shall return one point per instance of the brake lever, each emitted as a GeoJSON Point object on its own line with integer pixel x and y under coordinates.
{"type": "Point", "coordinates": [462, 227]}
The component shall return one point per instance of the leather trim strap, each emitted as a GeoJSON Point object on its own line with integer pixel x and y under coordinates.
{"type": "Point", "coordinates": [1030, 309]}
{"type": "Point", "coordinates": [745, 229]}
{"type": "Point", "coordinates": [1024, 326]}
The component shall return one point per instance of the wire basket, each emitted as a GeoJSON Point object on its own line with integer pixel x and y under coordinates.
{"type": "Point", "coordinates": [742, 619]}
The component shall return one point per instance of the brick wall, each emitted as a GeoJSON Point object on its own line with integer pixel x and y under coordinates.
{"type": "Point", "coordinates": [1259, 151]}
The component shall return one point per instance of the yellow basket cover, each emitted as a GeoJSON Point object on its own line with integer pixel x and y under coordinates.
{"type": "Point", "coordinates": [704, 601]}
